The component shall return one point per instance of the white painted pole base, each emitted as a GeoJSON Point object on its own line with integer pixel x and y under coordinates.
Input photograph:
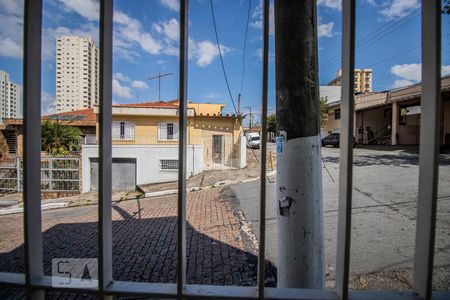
{"type": "Point", "coordinates": [300, 214]}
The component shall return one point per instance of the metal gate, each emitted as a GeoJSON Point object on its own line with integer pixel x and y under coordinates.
{"type": "Point", "coordinates": [123, 174]}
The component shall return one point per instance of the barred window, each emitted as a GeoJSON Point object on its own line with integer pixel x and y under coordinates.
{"type": "Point", "coordinates": [169, 164]}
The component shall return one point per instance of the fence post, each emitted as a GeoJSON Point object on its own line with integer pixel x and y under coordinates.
{"type": "Point", "coordinates": [18, 174]}
{"type": "Point", "coordinates": [50, 173]}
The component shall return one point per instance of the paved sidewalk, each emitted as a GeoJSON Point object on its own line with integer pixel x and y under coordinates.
{"type": "Point", "coordinates": [219, 248]}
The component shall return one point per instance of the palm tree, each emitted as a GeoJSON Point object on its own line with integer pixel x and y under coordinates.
{"type": "Point", "coordinates": [59, 139]}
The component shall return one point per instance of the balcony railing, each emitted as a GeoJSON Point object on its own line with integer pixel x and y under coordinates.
{"type": "Point", "coordinates": [34, 281]}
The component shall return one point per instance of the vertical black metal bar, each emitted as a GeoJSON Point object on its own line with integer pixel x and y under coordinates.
{"type": "Point", "coordinates": [346, 148]}
{"type": "Point", "coordinates": [262, 203]}
{"type": "Point", "coordinates": [105, 145]}
{"type": "Point", "coordinates": [181, 217]}
{"type": "Point", "coordinates": [32, 146]}
{"type": "Point", "coordinates": [429, 147]}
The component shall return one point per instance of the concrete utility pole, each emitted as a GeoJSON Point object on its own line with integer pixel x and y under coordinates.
{"type": "Point", "coordinates": [299, 168]}
{"type": "Point", "coordinates": [251, 116]}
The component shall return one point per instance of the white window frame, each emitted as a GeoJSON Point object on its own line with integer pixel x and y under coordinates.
{"type": "Point", "coordinates": [163, 134]}
{"type": "Point", "coordinates": [123, 131]}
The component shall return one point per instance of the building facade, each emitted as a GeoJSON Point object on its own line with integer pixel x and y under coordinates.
{"type": "Point", "coordinates": [10, 98]}
{"type": "Point", "coordinates": [363, 80]}
{"type": "Point", "coordinates": [77, 73]}
{"type": "Point", "coordinates": [391, 117]}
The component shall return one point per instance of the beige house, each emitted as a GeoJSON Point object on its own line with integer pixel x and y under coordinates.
{"type": "Point", "coordinates": [391, 117]}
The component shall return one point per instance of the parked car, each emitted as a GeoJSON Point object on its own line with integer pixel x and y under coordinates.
{"type": "Point", "coordinates": [253, 140]}
{"type": "Point", "coordinates": [333, 140]}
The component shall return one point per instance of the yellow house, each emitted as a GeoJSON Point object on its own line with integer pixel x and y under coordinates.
{"type": "Point", "coordinates": [145, 141]}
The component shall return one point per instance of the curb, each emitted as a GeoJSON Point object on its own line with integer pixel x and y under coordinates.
{"type": "Point", "coordinates": [43, 207]}
{"type": "Point", "coordinates": [218, 184]}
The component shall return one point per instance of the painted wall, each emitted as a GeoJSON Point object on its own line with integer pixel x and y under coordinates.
{"type": "Point", "coordinates": [147, 161]}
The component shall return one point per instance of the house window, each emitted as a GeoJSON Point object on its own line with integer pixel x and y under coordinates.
{"type": "Point", "coordinates": [123, 130]}
{"type": "Point", "coordinates": [337, 114]}
{"type": "Point", "coordinates": [168, 131]}
{"type": "Point", "coordinates": [169, 164]}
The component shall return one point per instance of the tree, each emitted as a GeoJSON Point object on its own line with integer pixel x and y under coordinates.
{"type": "Point", "coordinates": [272, 122]}
{"type": "Point", "coordinates": [323, 109]}
{"type": "Point", "coordinates": [59, 139]}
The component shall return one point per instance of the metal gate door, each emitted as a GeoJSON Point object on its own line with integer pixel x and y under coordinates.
{"type": "Point", "coordinates": [218, 149]}
{"type": "Point", "coordinates": [123, 174]}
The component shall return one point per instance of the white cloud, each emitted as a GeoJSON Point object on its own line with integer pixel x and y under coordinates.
{"type": "Point", "coordinates": [205, 51]}
{"type": "Point", "coordinates": [325, 29]}
{"type": "Point", "coordinates": [11, 28]}
{"type": "Point", "coordinates": [120, 90]}
{"type": "Point", "coordinates": [139, 84]}
{"type": "Point", "coordinates": [411, 73]}
{"type": "Point", "coordinates": [398, 83]}
{"type": "Point", "coordinates": [371, 2]}
{"type": "Point", "coordinates": [257, 18]}
{"type": "Point", "coordinates": [89, 9]}
{"type": "Point", "coordinates": [445, 70]}
{"type": "Point", "coordinates": [12, 6]}
{"type": "Point", "coordinates": [333, 4]}
{"type": "Point", "coordinates": [10, 48]}
{"type": "Point", "coordinates": [120, 77]}
{"type": "Point", "coordinates": [258, 53]}
{"type": "Point", "coordinates": [130, 33]}
{"type": "Point", "coordinates": [170, 28]}
{"type": "Point", "coordinates": [48, 103]}
{"type": "Point", "coordinates": [398, 8]}
{"type": "Point", "coordinates": [171, 4]}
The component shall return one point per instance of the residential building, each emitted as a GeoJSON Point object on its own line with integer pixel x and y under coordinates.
{"type": "Point", "coordinates": [145, 143]}
{"type": "Point", "coordinates": [332, 95]}
{"type": "Point", "coordinates": [10, 98]}
{"type": "Point", "coordinates": [77, 73]}
{"type": "Point", "coordinates": [11, 133]}
{"type": "Point", "coordinates": [363, 80]}
{"type": "Point", "coordinates": [391, 117]}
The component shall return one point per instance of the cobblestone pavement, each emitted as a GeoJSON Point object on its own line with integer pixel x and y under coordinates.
{"type": "Point", "coordinates": [219, 251]}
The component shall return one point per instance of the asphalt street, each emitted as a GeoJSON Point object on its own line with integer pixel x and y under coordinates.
{"type": "Point", "coordinates": [384, 209]}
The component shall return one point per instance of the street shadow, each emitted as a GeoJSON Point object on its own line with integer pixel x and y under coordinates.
{"type": "Point", "coordinates": [386, 160]}
{"type": "Point", "coordinates": [144, 250]}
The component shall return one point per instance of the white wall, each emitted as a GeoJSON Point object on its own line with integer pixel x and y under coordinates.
{"type": "Point", "coordinates": [147, 161]}
{"type": "Point", "coordinates": [243, 152]}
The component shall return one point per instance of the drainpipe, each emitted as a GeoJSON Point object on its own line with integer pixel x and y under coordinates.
{"type": "Point", "coordinates": [299, 167]}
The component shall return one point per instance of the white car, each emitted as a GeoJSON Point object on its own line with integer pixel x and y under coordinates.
{"type": "Point", "coordinates": [253, 141]}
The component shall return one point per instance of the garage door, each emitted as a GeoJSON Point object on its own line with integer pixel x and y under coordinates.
{"type": "Point", "coordinates": [123, 174]}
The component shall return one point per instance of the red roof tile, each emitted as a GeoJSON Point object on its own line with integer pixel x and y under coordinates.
{"type": "Point", "coordinates": [86, 114]}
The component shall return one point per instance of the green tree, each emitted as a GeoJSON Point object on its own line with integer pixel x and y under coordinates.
{"type": "Point", "coordinates": [59, 139]}
{"type": "Point", "coordinates": [323, 109]}
{"type": "Point", "coordinates": [272, 122]}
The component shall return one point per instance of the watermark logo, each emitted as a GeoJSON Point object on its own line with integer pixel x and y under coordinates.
{"type": "Point", "coordinates": [75, 272]}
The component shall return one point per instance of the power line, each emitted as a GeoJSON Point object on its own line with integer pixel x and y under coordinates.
{"type": "Point", "coordinates": [220, 56]}
{"type": "Point", "coordinates": [245, 45]}
{"type": "Point", "coordinates": [371, 38]}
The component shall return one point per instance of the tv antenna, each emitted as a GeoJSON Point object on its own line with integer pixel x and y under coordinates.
{"type": "Point", "coordinates": [159, 82]}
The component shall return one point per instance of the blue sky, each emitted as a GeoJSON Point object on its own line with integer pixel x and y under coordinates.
{"type": "Point", "coordinates": [146, 41]}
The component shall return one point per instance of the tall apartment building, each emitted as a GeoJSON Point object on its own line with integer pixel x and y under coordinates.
{"type": "Point", "coordinates": [10, 98]}
{"type": "Point", "coordinates": [77, 73]}
{"type": "Point", "coordinates": [363, 80]}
